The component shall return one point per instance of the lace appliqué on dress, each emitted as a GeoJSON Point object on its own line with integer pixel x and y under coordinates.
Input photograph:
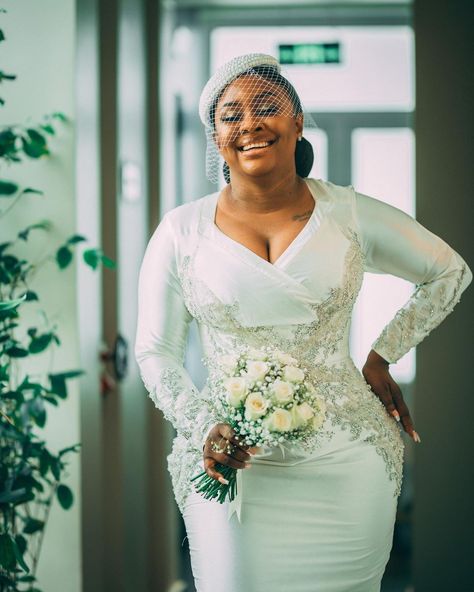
{"type": "Point", "coordinates": [184, 407]}
{"type": "Point", "coordinates": [351, 404]}
{"type": "Point", "coordinates": [429, 304]}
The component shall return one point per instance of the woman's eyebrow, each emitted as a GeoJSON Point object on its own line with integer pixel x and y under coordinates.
{"type": "Point", "coordinates": [267, 93]}
{"type": "Point", "coordinates": [231, 104]}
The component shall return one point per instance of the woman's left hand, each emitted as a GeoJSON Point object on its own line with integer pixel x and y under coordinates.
{"type": "Point", "coordinates": [376, 374]}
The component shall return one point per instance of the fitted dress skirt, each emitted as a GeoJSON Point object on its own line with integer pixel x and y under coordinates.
{"type": "Point", "coordinates": [319, 522]}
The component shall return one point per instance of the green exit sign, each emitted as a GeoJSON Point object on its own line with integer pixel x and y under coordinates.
{"type": "Point", "coordinates": [310, 53]}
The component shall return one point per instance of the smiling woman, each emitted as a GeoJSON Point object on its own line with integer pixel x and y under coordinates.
{"type": "Point", "coordinates": [277, 259]}
{"type": "Point", "coordinates": [261, 99]}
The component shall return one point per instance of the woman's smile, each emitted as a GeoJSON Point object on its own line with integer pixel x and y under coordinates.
{"type": "Point", "coordinates": [256, 147]}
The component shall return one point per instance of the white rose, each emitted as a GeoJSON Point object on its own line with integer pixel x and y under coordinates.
{"type": "Point", "coordinates": [279, 421]}
{"type": "Point", "coordinates": [256, 354]}
{"type": "Point", "coordinates": [257, 369]}
{"type": "Point", "coordinates": [284, 358]}
{"type": "Point", "coordinates": [296, 419]}
{"type": "Point", "coordinates": [228, 362]}
{"type": "Point", "coordinates": [236, 388]}
{"type": "Point", "coordinates": [282, 390]}
{"type": "Point", "coordinates": [255, 406]}
{"type": "Point", "coordinates": [305, 411]}
{"type": "Point", "coordinates": [293, 374]}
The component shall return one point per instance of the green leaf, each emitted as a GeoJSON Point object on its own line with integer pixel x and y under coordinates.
{"type": "Point", "coordinates": [4, 275]}
{"type": "Point", "coordinates": [5, 76]}
{"type": "Point", "coordinates": [45, 225]}
{"type": "Point", "coordinates": [31, 190]}
{"type": "Point", "coordinates": [55, 467]}
{"type": "Point", "coordinates": [35, 146]}
{"type": "Point", "coordinates": [73, 448]}
{"type": "Point", "coordinates": [14, 396]}
{"type": "Point", "coordinates": [7, 142]}
{"type": "Point", "coordinates": [65, 496]}
{"type": "Point", "coordinates": [13, 496]}
{"type": "Point", "coordinates": [19, 557]}
{"type": "Point", "coordinates": [106, 262]}
{"type": "Point", "coordinates": [36, 137]}
{"type": "Point", "coordinates": [91, 257]}
{"type": "Point", "coordinates": [63, 257]}
{"type": "Point", "coordinates": [44, 462]}
{"type": "Point", "coordinates": [21, 542]}
{"type": "Point", "coordinates": [8, 187]}
{"type": "Point", "coordinates": [77, 238]}
{"type": "Point", "coordinates": [38, 411]}
{"type": "Point", "coordinates": [39, 344]}
{"type": "Point", "coordinates": [58, 385]}
{"type": "Point", "coordinates": [58, 381]}
{"type": "Point", "coordinates": [26, 578]}
{"type": "Point", "coordinates": [7, 551]}
{"type": "Point", "coordinates": [71, 373]}
{"type": "Point", "coordinates": [16, 352]}
{"type": "Point", "coordinates": [32, 525]}
{"type": "Point", "coordinates": [9, 304]}
{"type": "Point", "coordinates": [61, 116]}
{"type": "Point", "coordinates": [49, 129]}
{"type": "Point", "coordinates": [27, 385]}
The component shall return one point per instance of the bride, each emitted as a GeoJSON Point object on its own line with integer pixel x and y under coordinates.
{"type": "Point", "coordinates": [278, 258]}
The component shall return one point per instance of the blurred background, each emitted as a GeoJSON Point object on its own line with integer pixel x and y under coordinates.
{"type": "Point", "coordinates": [390, 87]}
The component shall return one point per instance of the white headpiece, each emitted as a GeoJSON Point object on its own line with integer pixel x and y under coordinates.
{"type": "Point", "coordinates": [277, 97]}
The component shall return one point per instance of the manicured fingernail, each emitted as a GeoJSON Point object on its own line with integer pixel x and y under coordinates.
{"type": "Point", "coordinates": [416, 437]}
{"type": "Point", "coordinates": [396, 415]}
{"type": "Point", "coordinates": [223, 481]}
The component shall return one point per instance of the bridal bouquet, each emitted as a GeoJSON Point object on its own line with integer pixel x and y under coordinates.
{"type": "Point", "coordinates": [267, 399]}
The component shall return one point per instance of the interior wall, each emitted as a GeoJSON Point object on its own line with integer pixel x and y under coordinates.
{"type": "Point", "coordinates": [40, 50]}
{"type": "Point", "coordinates": [444, 481]}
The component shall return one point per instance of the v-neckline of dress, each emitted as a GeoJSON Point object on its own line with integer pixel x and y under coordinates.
{"type": "Point", "coordinates": [312, 224]}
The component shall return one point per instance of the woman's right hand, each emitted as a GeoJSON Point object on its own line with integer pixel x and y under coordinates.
{"type": "Point", "coordinates": [223, 434]}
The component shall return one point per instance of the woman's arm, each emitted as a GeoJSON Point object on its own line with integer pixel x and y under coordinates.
{"type": "Point", "coordinates": [393, 242]}
{"type": "Point", "coordinates": [162, 330]}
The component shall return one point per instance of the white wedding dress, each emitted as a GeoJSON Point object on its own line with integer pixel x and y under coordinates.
{"type": "Point", "coordinates": [303, 522]}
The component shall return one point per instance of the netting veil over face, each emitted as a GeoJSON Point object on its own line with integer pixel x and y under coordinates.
{"type": "Point", "coordinates": [245, 105]}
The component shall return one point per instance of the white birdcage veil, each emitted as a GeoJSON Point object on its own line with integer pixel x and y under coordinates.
{"type": "Point", "coordinates": [263, 91]}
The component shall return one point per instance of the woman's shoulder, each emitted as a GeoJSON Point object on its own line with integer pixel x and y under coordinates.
{"type": "Point", "coordinates": [185, 217]}
{"type": "Point", "coordinates": [332, 192]}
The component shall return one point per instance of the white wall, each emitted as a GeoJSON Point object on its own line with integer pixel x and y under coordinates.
{"type": "Point", "coordinates": [40, 49]}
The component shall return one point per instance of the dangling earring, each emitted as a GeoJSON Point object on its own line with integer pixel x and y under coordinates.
{"type": "Point", "coordinates": [300, 137]}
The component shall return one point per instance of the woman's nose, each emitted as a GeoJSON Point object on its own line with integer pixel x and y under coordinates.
{"type": "Point", "coordinates": [250, 122]}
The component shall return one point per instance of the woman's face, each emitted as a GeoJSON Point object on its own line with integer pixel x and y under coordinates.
{"type": "Point", "coordinates": [251, 111]}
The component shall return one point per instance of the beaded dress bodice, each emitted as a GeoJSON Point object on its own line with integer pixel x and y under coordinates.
{"type": "Point", "coordinates": [301, 304]}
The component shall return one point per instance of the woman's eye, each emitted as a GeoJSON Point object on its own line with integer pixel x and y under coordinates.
{"type": "Point", "coordinates": [270, 109]}
{"type": "Point", "coordinates": [229, 118]}
{"type": "Point", "coordinates": [264, 110]}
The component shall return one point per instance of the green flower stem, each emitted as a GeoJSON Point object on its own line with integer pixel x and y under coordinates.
{"type": "Point", "coordinates": [212, 489]}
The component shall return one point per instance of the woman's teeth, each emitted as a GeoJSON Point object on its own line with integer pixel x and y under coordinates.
{"type": "Point", "coordinates": [259, 145]}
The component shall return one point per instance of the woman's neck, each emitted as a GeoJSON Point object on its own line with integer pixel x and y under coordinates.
{"type": "Point", "coordinates": [253, 196]}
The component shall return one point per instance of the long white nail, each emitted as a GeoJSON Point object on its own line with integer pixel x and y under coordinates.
{"type": "Point", "coordinates": [416, 437]}
{"type": "Point", "coordinates": [396, 415]}
{"type": "Point", "coordinates": [223, 481]}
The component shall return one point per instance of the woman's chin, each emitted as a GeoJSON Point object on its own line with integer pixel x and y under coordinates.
{"type": "Point", "coordinates": [259, 170]}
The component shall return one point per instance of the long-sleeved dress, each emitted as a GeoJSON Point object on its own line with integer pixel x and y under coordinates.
{"type": "Point", "coordinates": [303, 522]}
